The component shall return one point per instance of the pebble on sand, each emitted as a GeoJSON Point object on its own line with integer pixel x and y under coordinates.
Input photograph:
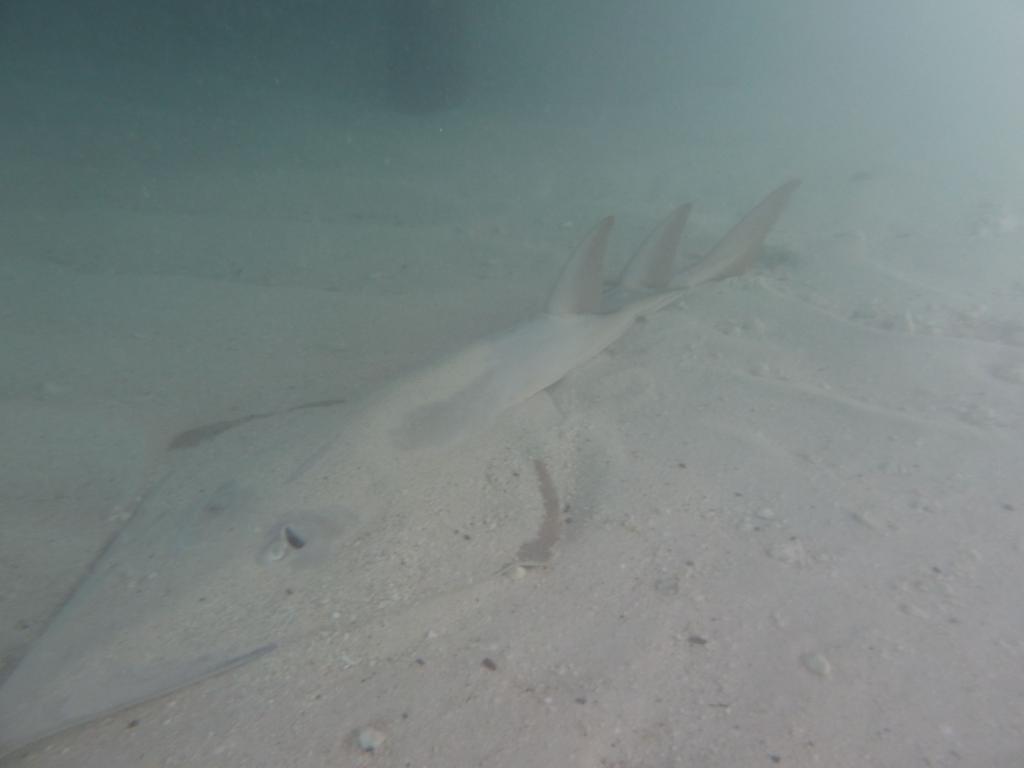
{"type": "Point", "coordinates": [816, 664]}
{"type": "Point", "coordinates": [369, 739]}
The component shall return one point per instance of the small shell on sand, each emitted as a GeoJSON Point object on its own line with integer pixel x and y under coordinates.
{"type": "Point", "coordinates": [816, 664]}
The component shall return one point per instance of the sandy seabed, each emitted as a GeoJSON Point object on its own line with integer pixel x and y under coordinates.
{"type": "Point", "coordinates": [782, 521]}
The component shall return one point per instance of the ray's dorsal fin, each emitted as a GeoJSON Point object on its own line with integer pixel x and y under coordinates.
{"type": "Point", "coordinates": [651, 268]}
{"type": "Point", "coordinates": [735, 253]}
{"type": "Point", "coordinates": [578, 291]}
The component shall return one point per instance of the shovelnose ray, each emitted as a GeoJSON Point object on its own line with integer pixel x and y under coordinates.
{"type": "Point", "coordinates": [235, 547]}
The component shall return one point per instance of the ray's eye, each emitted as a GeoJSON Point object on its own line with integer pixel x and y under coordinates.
{"type": "Point", "coordinates": [285, 540]}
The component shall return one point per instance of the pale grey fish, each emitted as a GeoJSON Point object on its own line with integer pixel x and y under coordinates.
{"type": "Point", "coordinates": [198, 581]}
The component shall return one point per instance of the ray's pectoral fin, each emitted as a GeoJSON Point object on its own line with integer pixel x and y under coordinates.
{"type": "Point", "coordinates": [29, 712]}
